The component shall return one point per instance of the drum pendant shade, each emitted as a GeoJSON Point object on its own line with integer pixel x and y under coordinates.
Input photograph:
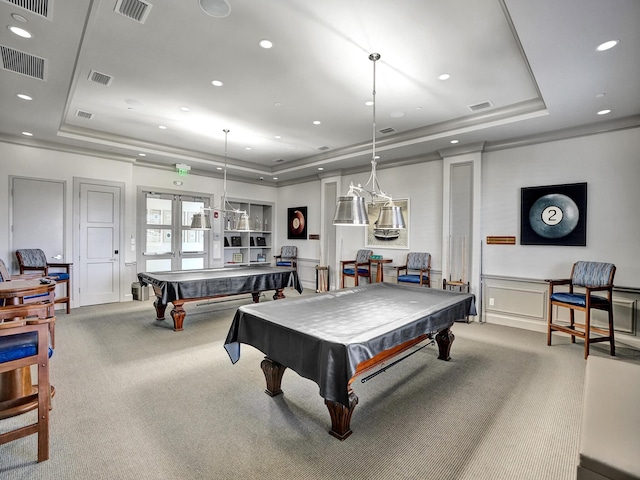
{"type": "Point", "coordinates": [390, 218]}
{"type": "Point", "coordinates": [350, 210]}
{"type": "Point", "coordinates": [201, 221]}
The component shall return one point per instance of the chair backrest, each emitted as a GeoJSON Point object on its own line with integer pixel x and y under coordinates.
{"type": "Point", "coordinates": [4, 273]}
{"type": "Point", "coordinates": [418, 260]}
{"type": "Point", "coordinates": [593, 274]}
{"type": "Point", "coordinates": [289, 251]}
{"type": "Point", "coordinates": [31, 257]}
{"type": "Point", "coordinates": [364, 256]}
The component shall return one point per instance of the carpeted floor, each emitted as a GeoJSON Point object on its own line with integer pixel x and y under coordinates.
{"type": "Point", "coordinates": [136, 400]}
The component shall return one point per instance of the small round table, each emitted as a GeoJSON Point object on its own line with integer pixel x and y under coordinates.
{"type": "Point", "coordinates": [17, 393]}
{"type": "Point", "coordinates": [380, 267]}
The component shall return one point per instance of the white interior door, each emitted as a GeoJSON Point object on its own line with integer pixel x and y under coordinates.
{"type": "Point", "coordinates": [99, 244]}
{"type": "Point", "coordinates": [37, 213]}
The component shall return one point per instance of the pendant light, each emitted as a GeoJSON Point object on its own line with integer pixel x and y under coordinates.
{"type": "Point", "coordinates": [202, 221]}
{"type": "Point", "coordinates": [350, 209]}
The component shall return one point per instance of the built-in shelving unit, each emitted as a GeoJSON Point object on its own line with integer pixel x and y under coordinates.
{"type": "Point", "coordinates": [253, 246]}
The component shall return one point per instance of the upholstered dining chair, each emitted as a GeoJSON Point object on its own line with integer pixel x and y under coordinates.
{"type": "Point", "coordinates": [288, 256]}
{"type": "Point", "coordinates": [24, 341]}
{"type": "Point", "coordinates": [417, 269]}
{"type": "Point", "coordinates": [361, 267]}
{"type": "Point", "coordinates": [34, 259]}
{"type": "Point", "coordinates": [589, 277]}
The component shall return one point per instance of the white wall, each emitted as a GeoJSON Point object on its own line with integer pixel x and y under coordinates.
{"type": "Point", "coordinates": [609, 163]}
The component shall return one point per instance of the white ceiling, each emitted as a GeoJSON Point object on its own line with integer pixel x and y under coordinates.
{"type": "Point", "coordinates": [534, 61]}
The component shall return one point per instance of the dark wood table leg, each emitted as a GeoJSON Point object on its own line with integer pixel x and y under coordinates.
{"type": "Point", "coordinates": [279, 294]}
{"type": "Point", "coordinates": [445, 338]}
{"type": "Point", "coordinates": [160, 308]}
{"type": "Point", "coordinates": [273, 373]}
{"type": "Point", "coordinates": [341, 416]}
{"type": "Point", "coordinates": [178, 313]}
{"type": "Point", "coordinates": [256, 297]}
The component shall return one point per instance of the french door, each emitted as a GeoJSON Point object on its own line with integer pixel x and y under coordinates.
{"type": "Point", "coordinates": [169, 241]}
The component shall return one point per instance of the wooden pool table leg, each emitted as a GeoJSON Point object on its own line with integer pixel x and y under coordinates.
{"type": "Point", "coordinates": [341, 416]}
{"type": "Point", "coordinates": [256, 297]}
{"type": "Point", "coordinates": [445, 338]}
{"type": "Point", "coordinates": [178, 313]}
{"type": "Point", "coordinates": [279, 294]}
{"type": "Point", "coordinates": [160, 308]}
{"type": "Point", "coordinates": [273, 373]}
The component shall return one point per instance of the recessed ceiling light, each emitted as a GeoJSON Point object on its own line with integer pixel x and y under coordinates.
{"type": "Point", "coordinates": [604, 112]}
{"type": "Point", "coordinates": [444, 76]}
{"type": "Point", "coordinates": [27, 134]}
{"type": "Point", "coordinates": [218, 168]}
{"type": "Point", "coordinates": [277, 104]}
{"type": "Point", "coordinates": [607, 45]}
{"type": "Point", "coordinates": [317, 122]}
{"type": "Point", "coordinates": [177, 183]}
{"type": "Point", "coordinates": [454, 141]}
{"type": "Point", "coordinates": [18, 18]}
{"type": "Point", "coordinates": [185, 109]}
{"type": "Point", "coordinates": [278, 137]}
{"type": "Point", "coordinates": [21, 32]}
{"type": "Point", "coordinates": [275, 178]}
{"type": "Point", "coordinates": [265, 44]}
{"type": "Point", "coordinates": [320, 168]}
{"type": "Point", "coordinates": [216, 83]}
{"type": "Point", "coordinates": [215, 8]}
{"type": "Point", "coordinates": [247, 148]}
{"type": "Point", "coordinates": [24, 96]}
{"type": "Point", "coordinates": [142, 154]}
{"type": "Point", "coordinates": [162, 127]}
{"type": "Point", "coordinates": [600, 95]}
{"type": "Point", "coordinates": [368, 103]}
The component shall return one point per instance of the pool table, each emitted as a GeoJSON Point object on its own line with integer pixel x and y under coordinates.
{"type": "Point", "coordinates": [333, 337]}
{"type": "Point", "coordinates": [181, 286]}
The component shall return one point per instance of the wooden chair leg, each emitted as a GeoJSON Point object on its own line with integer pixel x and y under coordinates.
{"type": "Point", "coordinates": [573, 324]}
{"type": "Point", "coordinates": [611, 337]}
{"type": "Point", "coordinates": [549, 322]}
{"type": "Point", "coordinates": [587, 332]}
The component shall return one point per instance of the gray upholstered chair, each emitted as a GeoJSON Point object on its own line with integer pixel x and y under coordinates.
{"type": "Point", "coordinates": [590, 277]}
{"type": "Point", "coordinates": [288, 257]}
{"type": "Point", "coordinates": [34, 259]}
{"type": "Point", "coordinates": [361, 267]}
{"type": "Point", "coordinates": [417, 269]}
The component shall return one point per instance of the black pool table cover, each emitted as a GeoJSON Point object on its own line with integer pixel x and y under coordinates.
{"type": "Point", "coordinates": [181, 284]}
{"type": "Point", "coordinates": [324, 337]}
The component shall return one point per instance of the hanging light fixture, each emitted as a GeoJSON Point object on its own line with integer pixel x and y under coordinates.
{"type": "Point", "coordinates": [350, 209]}
{"type": "Point", "coordinates": [202, 221]}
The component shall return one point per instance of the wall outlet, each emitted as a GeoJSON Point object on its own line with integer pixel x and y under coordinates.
{"type": "Point", "coordinates": [491, 301]}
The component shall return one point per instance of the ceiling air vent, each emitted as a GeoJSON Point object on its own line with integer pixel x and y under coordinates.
{"type": "Point", "coordinates": [384, 131]}
{"type": "Point", "coordinates": [39, 7]}
{"type": "Point", "coordinates": [83, 114]}
{"type": "Point", "coordinates": [323, 148]}
{"type": "Point", "coordinates": [280, 160]}
{"type": "Point", "coordinates": [134, 9]}
{"type": "Point", "coordinates": [481, 106]}
{"type": "Point", "coordinates": [100, 78]}
{"type": "Point", "coordinates": [23, 63]}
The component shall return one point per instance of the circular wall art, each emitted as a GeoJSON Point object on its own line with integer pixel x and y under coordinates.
{"type": "Point", "coordinates": [554, 216]}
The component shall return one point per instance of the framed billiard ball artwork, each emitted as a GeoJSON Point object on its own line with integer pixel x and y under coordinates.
{"type": "Point", "coordinates": [554, 215]}
{"type": "Point", "coordinates": [297, 223]}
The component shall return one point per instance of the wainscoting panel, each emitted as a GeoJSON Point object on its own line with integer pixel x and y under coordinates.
{"type": "Point", "coordinates": [522, 303]}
